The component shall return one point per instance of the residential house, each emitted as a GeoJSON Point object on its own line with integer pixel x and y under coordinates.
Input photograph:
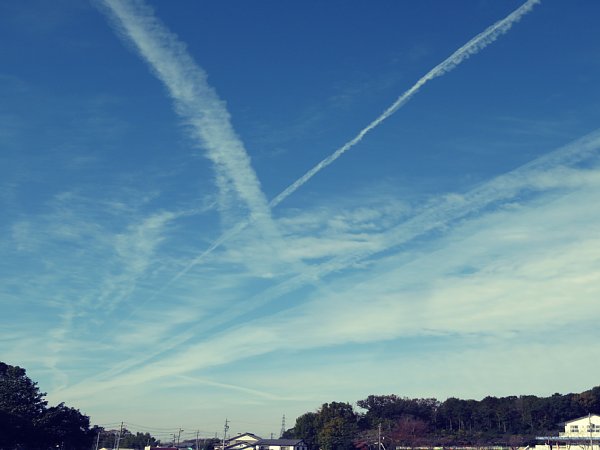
{"type": "Point", "coordinates": [244, 441]}
{"type": "Point", "coordinates": [280, 444]}
{"type": "Point", "coordinates": [581, 433]}
{"type": "Point", "coordinates": [587, 426]}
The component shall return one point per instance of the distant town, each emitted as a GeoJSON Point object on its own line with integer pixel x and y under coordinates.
{"type": "Point", "coordinates": [379, 422]}
{"type": "Point", "coordinates": [582, 433]}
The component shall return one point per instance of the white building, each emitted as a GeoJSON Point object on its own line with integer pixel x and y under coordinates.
{"type": "Point", "coordinates": [585, 427]}
{"type": "Point", "coordinates": [244, 441]}
{"type": "Point", "coordinates": [280, 444]}
{"type": "Point", "coordinates": [582, 433]}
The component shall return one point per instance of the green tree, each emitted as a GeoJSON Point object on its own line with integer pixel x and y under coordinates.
{"type": "Point", "coordinates": [332, 427]}
{"type": "Point", "coordinates": [21, 406]}
{"type": "Point", "coordinates": [338, 426]}
{"type": "Point", "coordinates": [65, 427]}
{"type": "Point", "coordinates": [391, 408]}
{"type": "Point", "coordinates": [27, 423]}
{"type": "Point", "coordinates": [138, 440]}
{"type": "Point", "coordinates": [306, 428]}
{"type": "Point", "coordinates": [338, 433]}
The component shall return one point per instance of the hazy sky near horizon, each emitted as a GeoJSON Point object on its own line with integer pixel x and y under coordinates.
{"type": "Point", "coordinates": [169, 259]}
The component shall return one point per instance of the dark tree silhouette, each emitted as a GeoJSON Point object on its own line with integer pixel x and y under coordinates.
{"type": "Point", "coordinates": [26, 422]}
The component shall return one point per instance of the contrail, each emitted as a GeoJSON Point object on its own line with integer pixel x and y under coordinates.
{"type": "Point", "coordinates": [472, 47]}
{"type": "Point", "coordinates": [195, 101]}
{"type": "Point", "coordinates": [164, 53]}
{"type": "Point", "coordinates": [439, 215]}
{"type": "Point", "coordinates": [206, 117]}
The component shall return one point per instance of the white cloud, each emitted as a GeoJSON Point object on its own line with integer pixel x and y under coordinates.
{"type": "Point", "coordinates": [498, 273]}
{"type": "Point", "coordinates": [485, 262]}
{"type": "Point", "coordinates": [196, 102]}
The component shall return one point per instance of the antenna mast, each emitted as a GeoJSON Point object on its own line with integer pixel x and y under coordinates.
{"type": "Point", "coordinates": [282, 432]}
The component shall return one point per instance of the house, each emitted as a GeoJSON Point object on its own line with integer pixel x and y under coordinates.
{"type": "Point", "coordinates": [280, 444]}
{"type": "Point", "coordinates": [120, 448]}
{"type": "Point", "coordinates": [244, 441]}
{"type": "Point", "coordinates": [581, 433]}
{"type": "Point", "coordinates": [585, 427]}
{"type": "Point", "coordinates": [148, 447]}
{"type": "Point", "coordinates": [243, 438]}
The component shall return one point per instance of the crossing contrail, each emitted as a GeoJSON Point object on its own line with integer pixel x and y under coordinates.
{"type": "Point", "coordinates": [187, 84]}
{"type": "Point", "coordinates": [503, 188]}
{"type": "Point", "coordinates": [210, 123]}
{"type": "Point", "coordinates": [471, 48]}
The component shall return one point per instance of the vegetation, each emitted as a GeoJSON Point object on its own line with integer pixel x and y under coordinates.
{"type": "Point", "coordinates": [27, 422]}
{"type": "Point", "coordinates": [108, 439]}
{"type": "Point", "coordinates": [509, 421]}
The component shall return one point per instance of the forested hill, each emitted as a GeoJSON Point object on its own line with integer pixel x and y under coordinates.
{"type": "Point", "coordinates": [511, 421]}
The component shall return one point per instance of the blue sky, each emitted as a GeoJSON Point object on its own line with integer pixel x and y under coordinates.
{"type": "Point", "coordinates": [166, 261]}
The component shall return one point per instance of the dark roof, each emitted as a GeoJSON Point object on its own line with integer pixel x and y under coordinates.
{"type": "Point", "coordinates": [243, 434]}
{"type": "Point", "coordinates": [241, 445]}
{"type": "Point", "coordinates": [280, 442]}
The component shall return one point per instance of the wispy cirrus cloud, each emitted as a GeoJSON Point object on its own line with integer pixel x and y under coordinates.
{"type": "Point", "coordinates": [62, 246]}
{"type": "Point", "coordinates": [194, 381]}
{"type": "Point", "coordinates": [495, 246]}
{"type": "Point", "coordinates": [332, 239]}
{"type": "Point", "coordinates": [135, 273]}
{"type": "Point", "coordinates": [472, 47]}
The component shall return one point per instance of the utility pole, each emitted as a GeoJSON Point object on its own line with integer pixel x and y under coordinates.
{"type": "Point", "coordinates": [225, 428]}
{"type": "Point", "coordinates": [590, 428]}
{"type": "Point", "coordinates": [179, 436]}
{"type": "Point", "coordinates": [197, 440]}
{"type": "Point", "coordinates": [379, 437]}
{"type": "Point", "coordinates": [119, 437]}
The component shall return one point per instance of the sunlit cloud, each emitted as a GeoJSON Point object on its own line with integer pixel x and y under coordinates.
{"type": "Point", "coordinates": [474, 278]}
{"type": "Point", "coordinates": [145, 266]}
{"type": "Point", "coordinates": [195, 101]}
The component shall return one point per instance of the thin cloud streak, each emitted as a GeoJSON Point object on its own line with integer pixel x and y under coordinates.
{"type": "Point", "coordinates": [471, 48]}
{"type": "Point", "coordinates": [548, 172]}
{"type": "Point", "coordinates": [195, 101]}
{"type": "Point", "coordinates": [474, 46]}
{"type": "Point", "coordinates": [208, 119]}
{"type": "Point", "coordinates": [255, 392]}
{"type": "Point", "coordinates": [534, 176]}
{"type": "Point", "coordinates": [541, 175]}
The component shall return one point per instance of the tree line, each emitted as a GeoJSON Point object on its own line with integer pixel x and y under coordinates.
{"type": "Point", "coordinates": [125, 439]}
{"type": "Point", "coordinates": [416, 422]}
{"type": "Point", "coordinates": [27, 422]}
